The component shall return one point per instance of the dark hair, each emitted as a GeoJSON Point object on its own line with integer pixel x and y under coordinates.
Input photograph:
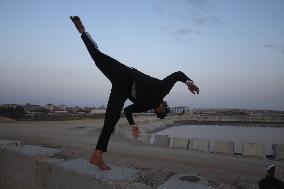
{"type": "Point", "coordinates": [162, 115]}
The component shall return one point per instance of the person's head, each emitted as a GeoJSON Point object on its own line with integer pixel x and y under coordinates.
{"type": "Point", "coordinates": [162, 110]}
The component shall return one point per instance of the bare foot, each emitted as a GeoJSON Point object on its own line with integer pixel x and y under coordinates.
{"type": "Point", "coordinates": [76, 20]}
{"type": "Point", "coordinates": [99, 162]}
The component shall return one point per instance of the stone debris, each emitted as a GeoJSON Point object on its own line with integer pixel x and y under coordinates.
{"type": "Point", "coordinates": [186, 181]}
{"type": "Point", "coordinates": [116, 176]}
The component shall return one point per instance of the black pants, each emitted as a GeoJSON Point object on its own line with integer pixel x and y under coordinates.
{"type": "Point", "coordinates": [121, 78]}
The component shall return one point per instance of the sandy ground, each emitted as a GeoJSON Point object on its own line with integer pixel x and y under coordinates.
{"type": "Point", "coordinates": [78, 139]}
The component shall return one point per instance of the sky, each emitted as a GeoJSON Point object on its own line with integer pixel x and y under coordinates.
{"type": "Point", "coordinates": [232, 50]}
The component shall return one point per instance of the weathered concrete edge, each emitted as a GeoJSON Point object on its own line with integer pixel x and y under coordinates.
{"type": "Point", "coordinates": [45, 169]}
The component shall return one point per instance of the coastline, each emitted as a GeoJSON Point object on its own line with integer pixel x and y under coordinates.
{"type": "Point", "coordinates": [177, 123]}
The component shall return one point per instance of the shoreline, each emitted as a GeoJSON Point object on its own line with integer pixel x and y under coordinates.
{"type": "Point", "coordinates": [216, 123]}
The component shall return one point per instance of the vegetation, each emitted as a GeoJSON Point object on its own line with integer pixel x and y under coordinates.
{"type": "Point", "coordinates": [17, 112]}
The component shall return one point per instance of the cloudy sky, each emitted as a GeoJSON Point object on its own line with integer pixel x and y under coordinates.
{"type": "Point", "coordinates": [233, 50]}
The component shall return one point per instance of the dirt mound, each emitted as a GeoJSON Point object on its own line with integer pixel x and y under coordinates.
{"type": "Point", "coordinates": [4, 120]}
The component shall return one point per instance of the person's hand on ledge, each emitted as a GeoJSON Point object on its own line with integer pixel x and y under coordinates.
{"type": "Point", "coordinates": [135, 131]}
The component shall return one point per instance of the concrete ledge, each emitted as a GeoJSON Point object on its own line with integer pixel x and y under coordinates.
{"type": "Point", "coordinates": [162, 140]}
{"type": "Point", "coordinates": [199, 144]}
{"type": "Point", "coordinates": [36, 167]}
{"type": "Point", "coordinates": [225, 147]}
{"type": "Point", "coordinates": [253, 149]}
{"type": "Point", "coordinates": [19, 165]}
{"type": "Point", "coordinates": [181, 143]}
{"type": "Point", "coordinates": [278, 151]}
{"type": "Point", "coordinates": [45, 173]}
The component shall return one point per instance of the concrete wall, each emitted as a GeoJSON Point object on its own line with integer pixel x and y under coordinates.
{"type": "Point", "coordinates": [35, 167]}
{"type": "Point", "coordinates": [162, 140]}
{"type": "Point", "coordinates": [181, 143]}
{"type": "Point", "coordinates": [226, 147]}
{"type": "Point", "coordinates": [278, 151]}
{"type": "Point", "coordinates": [214, 146]}
{"type": "Point", "coordinates": [252, 149]}
{"type": "Point", "coordinates": [199, 144]}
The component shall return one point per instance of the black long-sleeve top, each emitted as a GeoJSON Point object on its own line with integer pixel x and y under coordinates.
{"type": "Point", "coordinates": [150, 92]}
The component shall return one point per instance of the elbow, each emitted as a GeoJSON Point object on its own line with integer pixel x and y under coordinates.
{"type": "Point", "coordinates": [179, 73]}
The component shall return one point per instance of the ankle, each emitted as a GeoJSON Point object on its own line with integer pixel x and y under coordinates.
{"type": "Point", "coordinates": [98, 154]}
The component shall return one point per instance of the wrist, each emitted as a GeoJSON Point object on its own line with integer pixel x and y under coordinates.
{"type": "Point", "coordinates": [189, 82]}
{"type": "Point", "coordinates": [82, 31]}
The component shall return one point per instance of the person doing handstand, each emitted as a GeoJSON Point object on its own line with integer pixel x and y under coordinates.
{"type": "Point", "coordinates": [144, 91]}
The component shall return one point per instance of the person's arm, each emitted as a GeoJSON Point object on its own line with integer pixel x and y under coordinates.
{"type": "Point", "coordinates": [177, 76]}
{"type": "Point", "coordinates": [128, 111]}
{"type": "Point", "coordinates": [180, 76]}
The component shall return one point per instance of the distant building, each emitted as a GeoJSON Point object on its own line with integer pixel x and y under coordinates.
{"type": "Point", "coordinates": [179, 109]}
{"type": "Point", "coordinates": [61, 112]}
{"type": "Point", "coordinates": [32, 108]}
{"type": "Point", "coordinates": [9, 105]}
{"type": "Point", "coordinates": [61, 107]}
{"type": "Point", "coordinates": [50, 107]}
{"type": "Point", "coordinates": [100, 110]}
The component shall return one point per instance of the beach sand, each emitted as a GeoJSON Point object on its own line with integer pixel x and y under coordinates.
{"type": "Point", "coordinates": [78, 139]}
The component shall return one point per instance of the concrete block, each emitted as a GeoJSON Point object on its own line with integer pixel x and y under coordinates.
{"type": "Point", "coordinates": [162, 140]}
{"type": "Point", "coordinates": [177, 142]}
{"type": "Point", "coordinates": [185, 181]}
{"type": "Point", "coordinates": [116, 176]}
{"type": "Point", "coordinates": [69, 178]}
{"type": "Point", "coordinates": [226, 147]}
{"type": "Point", "coordinates": [253, 149]}
{"type": "Point", "coordinates": [144, 138]}
{"type": "Point", "coordinates": [199, 144]}
{"type": "Point", "coordinates": [278, 151]}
